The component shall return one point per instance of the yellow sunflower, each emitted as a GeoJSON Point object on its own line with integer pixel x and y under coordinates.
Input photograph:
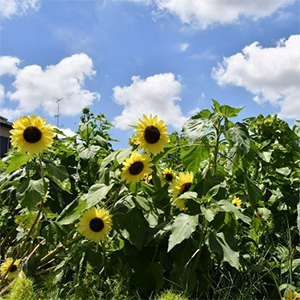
{"type": "Point", "coordinates": [136, 167]}
{"type": "Point", "coordinates": [152, 134]}
{"type": "Point", "coordinates": [30, 134]}
{"type": "Point", "coordinates": [95, 224]}
{"type": "Point", "coordinates": [13, 270]}
{"type": "Point", "coordinates": [133, 141]}
{"type": "Point", "coordinates": [237, 202]}
{"type": "Point", "coordinates": [168, 175]}
{"type": "Point", "coordinates": [291, 295]}
{"type": "Point", "coordinates": [181, 185]}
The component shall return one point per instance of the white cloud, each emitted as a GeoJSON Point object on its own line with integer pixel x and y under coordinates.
{"type": "Point", "coordinates": [204, 13]}
{"type": "Point", "coordinates": [9, 8]}
{"type": "Point", "coordinates": [66, 131]}
{"type": "Point", "coordinates": [154, 95]}
{"type": "Point", "coordinates": [2, 93]}
{"type": "Point", "coordinates": [37, 88]}
{"type": "Point", "coordinates": [9, 113]}
{"type": "Point", "coordinates": [9, 65]}
{"type": "Point", "coordinates": [183, 47]}
{"type": "Point", "coordinates": [271, 74]}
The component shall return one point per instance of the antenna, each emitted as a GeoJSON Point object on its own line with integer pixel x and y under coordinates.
{"type": "Point", "coordinates": [58, 100]}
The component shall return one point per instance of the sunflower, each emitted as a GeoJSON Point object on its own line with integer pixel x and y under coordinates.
{"type": "Point", "coordinates": [133, 141]}
{"type": "Point", "coordinates": [168, 175]}
{"type": "Point", "coordinates": [95, 224]}
{"type": "Point", "coordinates": [181, 185]}
{"type": "Point", "coordinates": [152, 134]}
{"type": "Point", "coordinates": [237, 202]}
{"type": "Point", "coordinates": [30, 134]}
{"type": "Point", "coordinates": [13, 270]}
{"type": "Point", "coordinates": [136, 167]}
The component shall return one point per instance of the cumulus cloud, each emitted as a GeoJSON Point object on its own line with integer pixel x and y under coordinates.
{"type": "Point", "coordinates": [36, 88]}
{"type": "Point", "coordinates": [271, 74]}
{"type": "Point", "coordinates": [2, 93]}
{"type": "Point", "coordinates": [8, 66]}
{"type": "Point", "coordinates": [9, 113]}
{"type": "Point", "coordinates": [9, 8]}
{"type": "Point", "coordinates": [66, 132]}
{"type": "Point", "coordinates": [203, 13]}
{"type": "Point", "coordinates": [154, 95]}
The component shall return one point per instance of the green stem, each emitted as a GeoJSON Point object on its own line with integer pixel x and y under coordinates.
{"type": "Point", "coordinates": [32, 226]}
{"type": "Point", "coordinates": [57, 250]}
{"type": "Point", "coordinates": [116, 195]}
{"type": "Point", "coordinates": [24, 241]}
{"type": "Point", "coordinates": [104, 257]}
{"type": "Point", "coordinates": [291, 252]}
{"type": "Point", "coordinates": [8, 236]}
{"type": "Point", "coordinates": [202, 235]}
{"type": "Point", "coordinates": [216, 151]}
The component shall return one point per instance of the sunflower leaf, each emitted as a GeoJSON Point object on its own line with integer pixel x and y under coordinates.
{"type": "Point", "coordinates": [183, 227]}
{"type": "Point", "coordinates": [16, 161]}
{"type": "Point", "coordinates": [132, 226]}
{"type": "Point", "coordinates": [224, 245]}
{"type": "Point", "coordinates": [31, 194]}
{"type": "Point", "coordinates": [96, 193]}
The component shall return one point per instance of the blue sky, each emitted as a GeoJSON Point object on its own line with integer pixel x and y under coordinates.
{"type": "Point", "coordinates": [166, 57]}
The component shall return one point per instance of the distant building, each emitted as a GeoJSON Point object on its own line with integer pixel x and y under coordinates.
{"type": "Point", "coordinates": [5, 127]}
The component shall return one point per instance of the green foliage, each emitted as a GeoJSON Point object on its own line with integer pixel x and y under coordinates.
{"type": "Point", "coordinates": [212, 249]}
{"type": "Point", "coordinates": [169, 295]}
{"type": "Point", "coordinates": [22, 288]}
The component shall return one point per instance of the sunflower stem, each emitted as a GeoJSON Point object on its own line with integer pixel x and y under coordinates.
{"type": "Point", "coordinates": [218, 134]}
{"type": "Point", "coordinates": [116, 195]}
{"type": "Point", "coordinates": [57, 250]}
{"type": "Point", "coordinates": [24, 241]}
{"type": "Point", "coordinates": [32, 226]}
{"type": "Point", "coordinates": [104, 257]}
{"type": "Point", "coordinates": [8, 236]}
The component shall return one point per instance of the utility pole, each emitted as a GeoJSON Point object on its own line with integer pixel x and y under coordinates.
{"type": "Point", "coordinates": [58, 100]}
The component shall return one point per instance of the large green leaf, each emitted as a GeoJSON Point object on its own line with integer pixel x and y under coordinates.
{"type": "Point", "coordinates": [203, 114]}
{"type": "Point", "coordinates": [254, 193]}
{"type": "Point", "coordinates": [240, 137]}
{"type": "Point", "coordinates": [224, 245]}
{"type": "Point", "coordinates": [192, 157]}
{"type": "Point", "coordinates": [32, 192]}
{"type": "Point", "coordinates": [194, 129]}
{"type": "Point", "coordinates": [229, 207]}
{"type": "Point", "coordinates": [183, 227]}
{"type": "Point", "coordinates": [17, 160]}
{"type": "Point", "coordinates": [132, 226]}
{"type": "Point", "coordinates": [69, 215]}
{"type": "Point", "coordinates": [60, 176]}
{"type": "Point", "coordinates": [96, 193]}
{"type": "Point", "coordinates": [87, 153]}
{"type": "Point", "coordinates": [229, 112]}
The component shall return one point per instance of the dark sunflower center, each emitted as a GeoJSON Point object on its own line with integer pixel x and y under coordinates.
{"type": "Point", "coordinates": [152, 134]}
{"type": "Point", "coordinates": [169, 177]}
{"type": "Point", "coordinates": [96, 224]}
{"type": "Point", "coordinates": [136, 168]}
{"type": "Point", "coordinates": [32, 134]}
{"type": "Point", "coordinates": [185, 187]}
{"type": "Point", "coordinates": [13, 268]}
